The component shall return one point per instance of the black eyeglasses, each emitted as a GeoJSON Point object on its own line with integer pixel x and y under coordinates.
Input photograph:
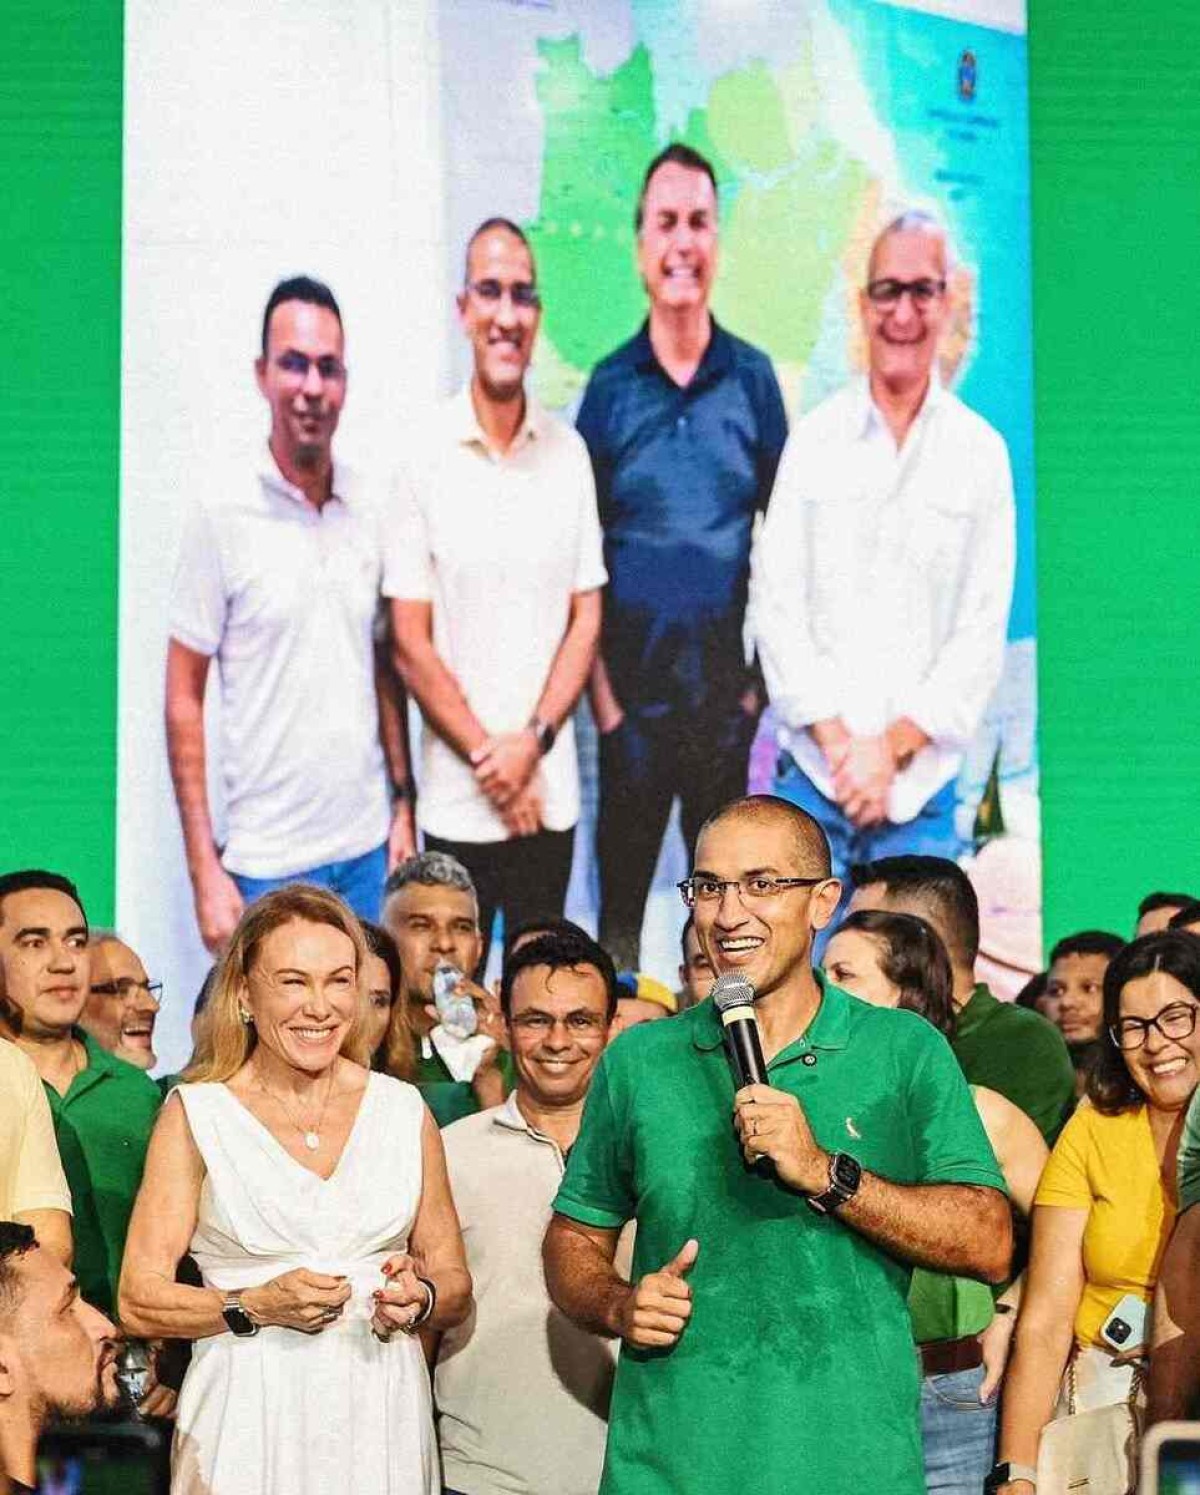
{"type": "Point", "coordinates": [125, 988]}
{"type": "Point", "coordinates": [886, 294]}
{"type": "Point", "coordinates": [1176, 1021]}
{"type": "Point", "coordinates": [330, 370]}
{"type": "Point", "coordinates": [758, 888]}
{"type": "Point", "coordinates": [524, 294]}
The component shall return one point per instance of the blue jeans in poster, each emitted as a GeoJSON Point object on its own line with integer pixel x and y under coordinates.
{"type": "Point", "coordinates": [359, 881]}
{"type": "Point", "coordinates": [957, 1432]}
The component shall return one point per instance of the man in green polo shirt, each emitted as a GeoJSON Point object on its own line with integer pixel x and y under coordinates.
{"type": "Point", "coordinates": [103, 1108]}
{"type": "Point", "coordinates": [767, 1342]}
{"type": "Point", "coordinates": [1174, 1386]}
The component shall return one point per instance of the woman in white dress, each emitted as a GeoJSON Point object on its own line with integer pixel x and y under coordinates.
{"type": "Point", "coordinates": [313, 1196]}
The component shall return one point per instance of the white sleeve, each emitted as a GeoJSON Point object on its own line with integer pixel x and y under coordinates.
{"type": "Point", "coordinates": [198, 593]}
{"type": "Point", "coordinates": [407, 568]}
{"type": "Point", "coordinates": [589, 572]}
{"type": "Point", "coordinates": [801, 681]}
{"type": "Point", "coordinates": [950, 701]}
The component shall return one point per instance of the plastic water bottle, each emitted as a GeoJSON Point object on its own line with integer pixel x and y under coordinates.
{"type": "Point", "coordinates": [456, 1010]}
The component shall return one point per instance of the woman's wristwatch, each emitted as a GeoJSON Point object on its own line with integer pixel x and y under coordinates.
{"type": "Point", "coordinates": [1005, 1473]}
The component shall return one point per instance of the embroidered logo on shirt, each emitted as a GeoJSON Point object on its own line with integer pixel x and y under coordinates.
{"type": "Point", "coordinates": [852, 1129]}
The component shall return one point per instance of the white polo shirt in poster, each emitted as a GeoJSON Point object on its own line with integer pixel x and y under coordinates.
{"type": "Point", "coordinates": [498, 544]}
{"type": "Point", "coordinates": [284, 597]}
{"type": "Point", "coordinates": [883, 581]}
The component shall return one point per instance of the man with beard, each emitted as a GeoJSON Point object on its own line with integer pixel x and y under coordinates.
{"type": "Point", "coordinates": [57, 1352]}
{"type": "Point", "coordinates": [278, 580]}
{"type": "Point", "coordinates": [494, 568]}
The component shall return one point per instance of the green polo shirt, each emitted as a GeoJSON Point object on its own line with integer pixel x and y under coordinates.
{"type": "Point", "coordinates": [103, 1126]}
{"type": "Point", "coordinates": [797, 1369]}
{"type": "Point", "coordinates": [1188, 1164]}
{"type": "Point", "coordinates": [447, 1098]}
{"type": "Point", "coordinates": [1016, 1051]}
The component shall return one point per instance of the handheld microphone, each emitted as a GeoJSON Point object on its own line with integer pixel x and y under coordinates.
{"type": "Point", "coordinates": [733, 997]}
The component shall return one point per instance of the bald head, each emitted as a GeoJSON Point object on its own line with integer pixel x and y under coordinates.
{"type": "Point", "coordinates": [913, 222]}
{"type": "Point", "coordinates": [808, 839]}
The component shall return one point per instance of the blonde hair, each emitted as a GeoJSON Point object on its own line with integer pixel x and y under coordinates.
{"type": "Point", "coordinates": [227, 1042]}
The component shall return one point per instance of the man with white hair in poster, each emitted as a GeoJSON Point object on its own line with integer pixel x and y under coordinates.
{"type": "Point", "coordinates": [885, 575]}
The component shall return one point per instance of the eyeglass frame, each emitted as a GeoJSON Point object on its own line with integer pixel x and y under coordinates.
{"type": "Point", "coordinates": [152, 989]}
{"type": "Point", "coordinates": [591, 1022]}
{"type": "Point", "coordinates": [778, 885]}
{"type": "Point", "coordinates": [523, 294]}
{"type": "Point", "coordinates": [330, 369]}
{"type": "Point", "coordinates": [930, 286]}
{"type": "Point", "coordinates": [1146, 1023]}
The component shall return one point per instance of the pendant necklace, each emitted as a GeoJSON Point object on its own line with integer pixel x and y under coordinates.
{"type": "Point", "coordinates": [311, 1134]}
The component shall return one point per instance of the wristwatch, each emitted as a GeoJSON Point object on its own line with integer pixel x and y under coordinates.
{"type": "Point", "coordinates": [236, 1317]}
{"type": "Point", "coordinates": [845, 1175]}
{"type": "Point", "coordinates": [1004, 1474]}
{"type": "Point", "coordinates": [545, 733]}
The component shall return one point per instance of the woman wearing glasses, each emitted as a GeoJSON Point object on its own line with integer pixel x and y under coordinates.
{"type": "Point", "coordinates": [1105, 1207]}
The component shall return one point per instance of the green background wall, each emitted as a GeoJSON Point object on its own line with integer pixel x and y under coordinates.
{"type": "Point", "coordinates": [1116, 182]}
{"type": "Point", "coordinates": [60, 293]}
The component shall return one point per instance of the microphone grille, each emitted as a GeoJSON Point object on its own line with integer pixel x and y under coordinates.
{"type": "Point", "coordinates": [732, 990]}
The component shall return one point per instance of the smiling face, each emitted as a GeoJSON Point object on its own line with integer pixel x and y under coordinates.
{"type": "Point", "coordinates": [852, 961]}
{"type": "Point", "coordinates": [45, 960]}
{"type": "Point", "coordinates": [303, 380]}
{"type": "Point", "coordinates": [677, 242]}
{"type": "Point", "coordinates": [1074, 997]}
{"type": "Point", "coordinates": [121, 1011]}
{"type": "Point", "coordinates": [303, 994]}
{"type": "Point", "coordinates": [379, 1001]}
{"type": "Point", "coordinates": [902, 339]}
{"type": "Point", "coordinates": [1164, 1069]}
{"type": "Point", "coordinates": [559, 1026]}
{"type": "Point", "coordinates": [767, 940]}
{"type": "Point", "coordinates": [54, 1348]}
{"type": "Point", "coordinates": [501, 331]}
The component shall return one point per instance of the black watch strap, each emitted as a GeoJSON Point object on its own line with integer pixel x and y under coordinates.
{"type": "Point", "coordinates": [845, 1175]}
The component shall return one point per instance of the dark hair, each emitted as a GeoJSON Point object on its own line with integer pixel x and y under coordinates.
{"type": "Point", "coordinates": [941, 886]}
{"type": "Point", "coordinates": [380, 943]}
{"type": "Point", "coordinates": [298, 288]}
{"type": "Point", "coordinates": [912, 957]}
{"type": "Point", "coordinates": [1188, 915]}
{"type": "Point", "coordinates": [680, 155]}
{"type": "Point", "coordinates": [560, 952]}
{"type": "Point", "coordinates": [1088, 942]}
{"type": "Point", "coordinates": [206, 989]}
{"type": "Point", "coordinates": [522, 931]}
{"type": "Point", "coordinates": [15, 1241]}
{"type": "Point", "coordinates": [1111, 1087]}
{"type": "Point", "coordinates": [1033, 991]}
{"type": "Point", "coordinates": [36, 877]}
{"type": "Point", "coordinates": [498, 221]}
{"type": "Point", "coordinates": [1153, 901]}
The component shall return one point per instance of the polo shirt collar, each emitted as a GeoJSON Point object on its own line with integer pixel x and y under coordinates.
{"type": "Point", "coordinates": [868, 420]}
{"type": "Point", "coordinates": [272, 478]}
{"type": "Point", "coordinates": [465, 427]}
{"type": "Point", "coordinates": [716, 362]}
{"type": "Point", "coordinates": [829, 1029]}
{"type": "Point", "coordinates": [100, 1064]}
{"type": "Point", "coordinates": [512, 1119]}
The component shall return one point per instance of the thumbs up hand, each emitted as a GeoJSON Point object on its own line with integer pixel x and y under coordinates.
{"type": "Point", "coordinates": [656, 1311]}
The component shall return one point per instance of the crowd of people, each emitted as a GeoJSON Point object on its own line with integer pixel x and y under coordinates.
{"type": "Point", "coordinates": [395, 1230]}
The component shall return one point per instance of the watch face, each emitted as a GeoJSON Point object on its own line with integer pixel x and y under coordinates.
{"type": "Point", "coordinates": [846, 1171]}
{"type": "Point", "coordinates": [239, 1322]}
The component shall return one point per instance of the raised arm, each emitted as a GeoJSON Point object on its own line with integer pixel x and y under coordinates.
{"type": "Point", "coordinates": [218, 902]}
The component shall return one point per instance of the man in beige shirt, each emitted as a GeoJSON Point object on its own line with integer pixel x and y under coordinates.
{"type": "Point", "coordinates": [522, 1394]}
{"type": "Point", "coordinates": [33, 1187]}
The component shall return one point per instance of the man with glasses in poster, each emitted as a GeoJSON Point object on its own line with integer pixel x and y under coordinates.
{"type": "Point", "coordinates": [885, 578]}
{"type": "Point", "coordinates": [494, 568]}
{"type": "Point", "coordinates": [278, 580]}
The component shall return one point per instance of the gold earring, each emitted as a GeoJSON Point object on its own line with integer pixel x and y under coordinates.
{"type": "Point", "coordinates": [245, 1015]}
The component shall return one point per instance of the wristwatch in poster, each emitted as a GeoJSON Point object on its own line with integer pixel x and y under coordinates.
{"type": "Point", "coordinates": [545, 734]}
{"type": "Point", "coordinates": [845, 1175]}
{"type": "Point", "coordinates": [236, 1317]}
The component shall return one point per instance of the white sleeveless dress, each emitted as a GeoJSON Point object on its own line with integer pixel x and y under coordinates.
{"type": "Point", "coordinates": [285, 1413]}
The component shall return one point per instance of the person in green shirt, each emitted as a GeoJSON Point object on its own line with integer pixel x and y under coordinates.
{"type": "Point", "coordinates": [103, 1108]}
{"type": "Point", "coordinates": [765, 1333]}
{"type": "Point", "coordinates": [430, 909]}
{"type": "Point", "coordinates": [999, 1045]}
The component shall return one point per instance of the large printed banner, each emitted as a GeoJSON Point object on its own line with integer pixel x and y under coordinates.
{"type": "Point", "coordinates": [362, 141]}
{"type": "Point", "coordinates": [823, 121]}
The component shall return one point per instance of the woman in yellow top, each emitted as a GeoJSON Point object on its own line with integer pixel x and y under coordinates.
{"type": "Point", "coordinates": [1106, 1204]}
